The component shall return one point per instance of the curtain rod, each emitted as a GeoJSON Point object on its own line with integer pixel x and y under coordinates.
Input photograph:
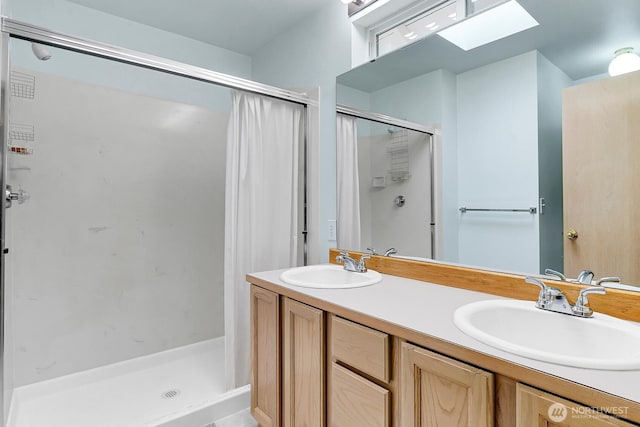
{"type": "Point", "coordinates": [381, 118]}
{"type": "Point", "coordinates": [42, 35]}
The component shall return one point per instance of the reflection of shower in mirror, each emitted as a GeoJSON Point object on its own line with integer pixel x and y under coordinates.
{"type": "Point", "coordinates": [398, 149]}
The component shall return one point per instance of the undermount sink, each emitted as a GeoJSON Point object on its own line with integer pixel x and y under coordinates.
{"type": "Point", "coordinates": [518, 327]}
{"type": "Point", "coordinates": [329, 277]}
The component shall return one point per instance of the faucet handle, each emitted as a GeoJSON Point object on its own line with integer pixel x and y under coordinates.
{"type": "Point", "coordinates": [559, 275]}
{"type": "Point", "coordinates": [343, 255]}
{"type": "Point", "coordinates": [581, 308]}
{"type": "Point", "coordinates": [372, 251]}
{"type": "Point", "coordinates": [585, 277]}
{"type": "Point", "coordinates": [362, 268]}
{"type": "Point", "coordinates": [602, 280]}
{"type": "Point", "coordinates": [544, 290]}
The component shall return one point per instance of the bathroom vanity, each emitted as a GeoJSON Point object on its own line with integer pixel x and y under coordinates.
{"type": "Point", "coordinates": [389, 354]}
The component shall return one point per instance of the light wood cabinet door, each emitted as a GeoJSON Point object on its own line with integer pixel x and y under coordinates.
{"type": "Point", "coordinates": [356, 401]}
{"type": "Point", "coordinates": [535, 408]}
{"type": "Point", "coordinates": [437, 391]}
{"type": "Point", "coordinates": [303, 365]}
{"type": "Point", "coordinates": [265, 357]}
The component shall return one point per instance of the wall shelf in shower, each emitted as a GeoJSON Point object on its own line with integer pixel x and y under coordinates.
{"type": "Point", "coordinates": [22, 85]}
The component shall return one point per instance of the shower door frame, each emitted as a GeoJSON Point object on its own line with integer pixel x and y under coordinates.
{"type": "Point", "coordinates": [392, 121]}
{"type": "Point", "coordinates": [11, 28]}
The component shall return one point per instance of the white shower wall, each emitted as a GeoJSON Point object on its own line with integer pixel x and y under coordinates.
{"type": "Point", "coordinates": [119, 252]}
{"type": "Point", "coordinates": [383, 224]}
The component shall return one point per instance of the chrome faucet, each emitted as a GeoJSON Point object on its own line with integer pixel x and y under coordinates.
{"type": "Point", "coordinates": [350, 263]}
{"type": "Point", "coordinates": [390, 251]}
{"type": "Point", "coordinates": [552, 299]}
{"type": "Point", "coordinates": [586, 277]}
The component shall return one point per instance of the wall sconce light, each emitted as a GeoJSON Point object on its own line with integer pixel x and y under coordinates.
{"type": "Point", "coordinates": [624, 61]}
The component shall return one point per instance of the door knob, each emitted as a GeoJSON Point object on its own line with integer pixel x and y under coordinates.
{"type": "Point", "coordinates": [572, 234]}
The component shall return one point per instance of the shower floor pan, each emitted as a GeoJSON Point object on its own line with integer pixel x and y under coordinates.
{"type": "Point", "coordinates": [183, 387]}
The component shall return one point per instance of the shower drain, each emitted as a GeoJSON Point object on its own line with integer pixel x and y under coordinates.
{"type": "Point", "coordinates": [170, 394]}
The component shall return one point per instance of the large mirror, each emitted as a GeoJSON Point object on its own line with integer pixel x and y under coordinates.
{"type": "Point", "coordinates": [498, 110]}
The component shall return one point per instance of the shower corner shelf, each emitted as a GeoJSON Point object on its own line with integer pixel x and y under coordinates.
{"type": "Point", "coordinates": [399, 176]}
{"type": "Point", "coordinates": [22, 85]}
{"type": "Point", "coordinates": [21, 132]}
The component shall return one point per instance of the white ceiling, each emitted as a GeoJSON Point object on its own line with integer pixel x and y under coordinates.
{"type": "Point", "coordinates": [239, 25]}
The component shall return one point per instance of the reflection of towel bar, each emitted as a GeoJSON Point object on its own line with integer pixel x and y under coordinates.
{"type": "Point", "coordinates": [530, 210]}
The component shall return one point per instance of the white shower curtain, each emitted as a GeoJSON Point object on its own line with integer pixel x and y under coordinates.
{"type": "Point", "coordinates": [261, 210]}
{"type": "Point", "coordinates": [348, 187]}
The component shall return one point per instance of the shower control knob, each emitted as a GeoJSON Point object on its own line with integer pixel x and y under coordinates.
{"type": "Point", "coordinates": [20, 196]}
{"type": "Point", "coordinates": [399, 201]}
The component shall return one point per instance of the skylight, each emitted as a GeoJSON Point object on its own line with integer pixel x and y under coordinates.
{"type": "Point", "coordinates": [494, 24]}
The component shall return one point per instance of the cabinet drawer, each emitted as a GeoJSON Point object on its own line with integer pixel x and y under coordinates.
{"type": "Point", "coordinates": [356, 401]}
{"type": "Point", "coordinates": [363, 348]}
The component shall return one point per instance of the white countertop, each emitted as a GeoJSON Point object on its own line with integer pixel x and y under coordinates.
{"type": "Point", "coordinates": [428, 308]}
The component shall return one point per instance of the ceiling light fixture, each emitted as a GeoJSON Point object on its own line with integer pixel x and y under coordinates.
{"type": "Point", "coordinates": [624, 61]}
{"type": "Point", "coordinates": [372, 6]}
{"type": "Point", "coordinates": [494, 24]}
{"type": "Point", "coordinates": [406, 32]}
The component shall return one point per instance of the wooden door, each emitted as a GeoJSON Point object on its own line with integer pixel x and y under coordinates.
{"type": "Point", "coordinates": [535, 408]}
{"type": "Point", "coordinates": [265, 357]}
{"type": "Point", "coordinates": [437, 391]}
{"type": "Point", "coordinates": [303, 365]}
{"type": "Point", "coordinates": [601, 177]}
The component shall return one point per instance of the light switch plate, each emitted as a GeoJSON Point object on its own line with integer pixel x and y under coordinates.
{"type": "Point", "coordinates": [332, 230]}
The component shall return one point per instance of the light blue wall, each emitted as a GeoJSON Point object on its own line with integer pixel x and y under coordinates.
{"type": "Point", "coordinates": [354, 98]}
{"type": "Point", "coordinates": [448, 163]}
{"type": "Point", "coordinates": [551, 82]}
{"type": "Point", "coordinates": [417, 100]}
{"type": "Point", "coordinates": [312, 54]}
{"type": "Point", "coordinates": [498, 163]}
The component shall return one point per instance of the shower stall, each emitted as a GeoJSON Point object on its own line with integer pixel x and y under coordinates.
{"type": "Point", "coordinates": [114, 257]}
